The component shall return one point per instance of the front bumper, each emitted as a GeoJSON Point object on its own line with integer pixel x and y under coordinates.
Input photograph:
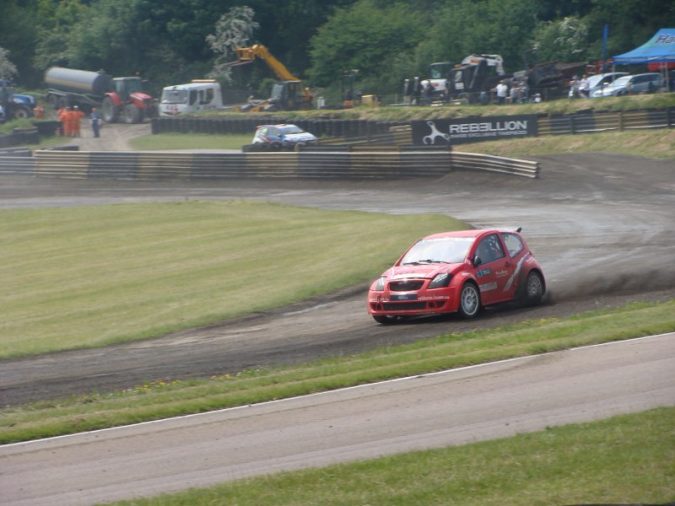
{"type": "Point", "coordinates": [411, 303]}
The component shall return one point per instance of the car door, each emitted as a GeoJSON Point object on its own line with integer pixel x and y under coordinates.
{"type": "Point", "coordinates": [493, 270]}
{"type": "Point", "coordinates": [515, 249]}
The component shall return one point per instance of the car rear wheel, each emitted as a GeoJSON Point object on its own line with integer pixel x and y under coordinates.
{"type": "Point", "coordinates": [469, 301]}
{"type": "Point", "coordinates": [534, 289]}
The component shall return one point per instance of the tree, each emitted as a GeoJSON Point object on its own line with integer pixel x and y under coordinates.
{"type": "Point", "coordinates": [377, 38]}
{"type": "Point", "coordinates": [234, 29]}
{"type": "Point", "coordinates": [7, 68]}
{"type": "Point", "coordinates": [564, 40]}
{"type": "Point", "coordinates": [467, 27]}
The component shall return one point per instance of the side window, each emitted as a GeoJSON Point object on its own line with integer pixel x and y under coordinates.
{"type": "Point", "coordinates": [209, 96]}
{"type": "Point", "coordinates": [490, 249]}
{"type": "Point", "coordinates": [193, 97]}
{"type": "Point", "coordinates": [513, 244]}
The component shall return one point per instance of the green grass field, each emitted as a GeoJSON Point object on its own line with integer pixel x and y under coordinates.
{"type": "Point", "coordinates": [658, 143]}
{"type": "Point", "coordinates": [93, 276]}
{"type": "Point", "coordinates": [190, 141]}
{"type": "Point", "coordinates": [622, 460]}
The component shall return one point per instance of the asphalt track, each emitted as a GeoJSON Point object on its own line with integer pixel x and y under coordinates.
{"type": "Point", "coordinates": [436, 410]}
{"type": "Point", "coordinates": [602, 225]}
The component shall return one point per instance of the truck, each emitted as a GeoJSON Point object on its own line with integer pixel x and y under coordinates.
{"type": "Point", "coordinates": [119, 98]}
{"type": "Point", "coordinates": [198, 95]}
{"type": "Point", "coordinates": [287, 94]}
{"type": "Point", "coordinates": [15, 105]}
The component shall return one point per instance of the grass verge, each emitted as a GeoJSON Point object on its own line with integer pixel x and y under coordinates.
{"type": "Point", "coordinates": [622, 460]}
{"type": "Point", "coordinates": [165, 399]}
{"type": "Point", "coordinates": [658, 143]}
{"type": "Point", "coordinates": [93, 276]}
{"type": "Point", "coordinates": [190, 141]}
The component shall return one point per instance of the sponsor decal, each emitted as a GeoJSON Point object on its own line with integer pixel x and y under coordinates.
{"type": "Point", "coordinates": [472, 129]}
{"type": "Point", "coordinates": [487, 287]}
{"type": "Point", "coordinates": [403, 296]}
{"type": "Point", "coordinates": [517, 270]}
{"type": "Point", "coordinates": [483, 272]}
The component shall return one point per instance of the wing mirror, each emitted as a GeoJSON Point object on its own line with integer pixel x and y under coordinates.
{"type": "Point", "coordinates": [477, 261]}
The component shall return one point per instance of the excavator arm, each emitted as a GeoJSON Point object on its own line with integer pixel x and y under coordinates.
{"type": "Point", "coordinates": [249, 54]}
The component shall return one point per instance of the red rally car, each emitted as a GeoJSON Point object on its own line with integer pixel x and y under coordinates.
{"type": "Point", "coordinates": [459, 271]}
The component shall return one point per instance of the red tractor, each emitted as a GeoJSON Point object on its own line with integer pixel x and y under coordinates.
{"type": "Point", "coordinates": [120, 98]}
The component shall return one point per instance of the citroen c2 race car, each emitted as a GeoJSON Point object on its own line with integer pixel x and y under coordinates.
{"type": "Point", "coordinates": [457, 272]}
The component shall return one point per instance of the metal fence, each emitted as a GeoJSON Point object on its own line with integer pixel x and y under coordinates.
{"type": "Point", "coordinates": [396, 132]}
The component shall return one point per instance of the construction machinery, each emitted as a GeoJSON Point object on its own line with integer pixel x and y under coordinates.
{"type": "Point", "coordinates": [287, 94]}
{"type": "Point", "coordinates": [120, 98]}
{"type": "Point", "coordinates": [15, 105]}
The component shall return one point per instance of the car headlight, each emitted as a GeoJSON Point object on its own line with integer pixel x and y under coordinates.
{"type": "Point", "coordinates": [378, 286]}
{"type": "Point", "coordinates": [441, 280]}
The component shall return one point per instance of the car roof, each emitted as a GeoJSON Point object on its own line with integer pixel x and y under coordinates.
{"type": "Point", "coordinates": [280, 125]}
{"type": "Point", "coordinates": [473, 233]}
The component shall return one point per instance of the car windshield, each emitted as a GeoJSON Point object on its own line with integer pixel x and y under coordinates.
{"type": "Point", "coordinates": [621, 81]}
{"type": "Point", "coordinates": [449, 250]}
{"type": "Point", "coordinates": [290, 129]}
{"type": "Point", "coordinates": [174, 97]}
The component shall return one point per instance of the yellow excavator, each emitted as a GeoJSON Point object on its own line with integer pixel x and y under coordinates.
{"type": "Point", "coordinates": [288, 94]}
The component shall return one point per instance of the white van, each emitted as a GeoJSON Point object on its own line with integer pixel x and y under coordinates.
{"type": "Point", "coordinates": [199, 95]}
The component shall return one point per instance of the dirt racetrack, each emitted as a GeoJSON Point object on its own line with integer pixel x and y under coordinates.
{"type": "Point", "coordinates": [602, 225]}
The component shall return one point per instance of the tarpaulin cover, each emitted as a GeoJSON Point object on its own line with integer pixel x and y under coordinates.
{"type": "Point", "coordinates": [659, 49]}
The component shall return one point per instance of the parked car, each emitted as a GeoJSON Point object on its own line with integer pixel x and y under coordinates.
{"type": "Point", "coordinates": [280, 137]}
{"type": "Point", "coordinates": [601, 81]}
{"type": "Point", "coordinates": [639, 83]}
{"type": "Point", "coordinates": [457, 272]}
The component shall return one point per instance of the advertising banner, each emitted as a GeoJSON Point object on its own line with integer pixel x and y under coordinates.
{"type": "Point", "coordinates": [473, 129]}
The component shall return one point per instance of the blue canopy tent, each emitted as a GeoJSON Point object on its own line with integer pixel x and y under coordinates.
{"type": "Point", "coordinates": [659, 50]}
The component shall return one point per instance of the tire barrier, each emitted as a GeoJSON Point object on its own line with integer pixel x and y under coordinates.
{"type": "Point", "coordinates": [16, 161]}
{"type": "Point", "coordinates": [499, 164]}
{"type": "Point", "coordinates": [378, 163]}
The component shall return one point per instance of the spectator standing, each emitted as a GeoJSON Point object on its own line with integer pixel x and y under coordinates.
{"type": "Point", "coordinates": [502, 92]}
{"type": "Point", "coordinates": [95, 122]}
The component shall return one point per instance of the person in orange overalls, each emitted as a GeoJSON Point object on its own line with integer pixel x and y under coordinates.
{"type": "Point", "coordinates": [77, 121]}
{"type": "Point", "coordinates": [61, 116]}
{"type": "Point", "coordinates": [70, 122]}
{"type": "Point", "coordinates": [39, 112]}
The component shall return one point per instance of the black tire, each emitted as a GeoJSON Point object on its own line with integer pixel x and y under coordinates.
{"type": "Point", "coordinates": [469, 301]}
{"type": "Point", "coordinates": [110, 111]}
{"type": "Point", "coordinates": [533, 291]}
{"type": "Point", "coordinates": [22, 113]}
{"type": "Point", "coordinates": [132, 114]}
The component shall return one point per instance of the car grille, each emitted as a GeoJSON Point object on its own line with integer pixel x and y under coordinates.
{"type": "Point", "coordinates": [406, 285]}
{"type": "Point", "coordinates": [404, 306]}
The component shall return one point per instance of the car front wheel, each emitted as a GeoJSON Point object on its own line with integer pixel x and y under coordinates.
{"type": "Point", "coordinates": [469, 301]}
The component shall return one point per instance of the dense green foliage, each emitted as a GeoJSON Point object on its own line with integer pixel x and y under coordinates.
{"type": "Point", "coordinates": [385, 40]}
